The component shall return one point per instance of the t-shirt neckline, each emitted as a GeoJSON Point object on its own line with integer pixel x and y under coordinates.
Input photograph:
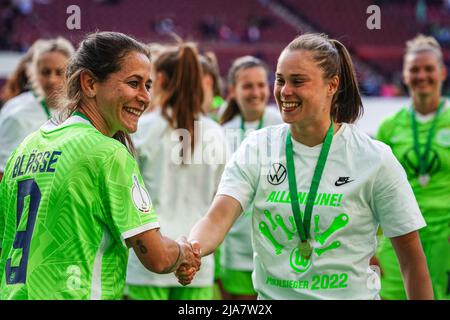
{"type": "Point", "coordinates": [302, 148]}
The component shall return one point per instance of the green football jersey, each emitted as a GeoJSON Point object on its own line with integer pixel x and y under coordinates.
{"type": "Point", "coordinates": [433, 198]}
{"type": "Point", "coordinates": [70, 196]}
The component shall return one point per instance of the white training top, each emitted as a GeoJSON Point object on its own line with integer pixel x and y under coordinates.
{"type": "Point", "coordinates": [236, 249]}
{"type": "Point", "coordinates": [363, 186]}
{"type": "Point", "coordinates": [181, 194]}
{"type": "Point", "coordinates": [19, 117]}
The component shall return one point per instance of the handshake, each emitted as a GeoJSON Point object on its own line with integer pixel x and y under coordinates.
{"type": "Point", "coordinates": [190, 256]}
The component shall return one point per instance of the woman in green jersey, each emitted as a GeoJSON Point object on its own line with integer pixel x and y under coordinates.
{"type": "Point", "coordinates": [319, 187]}
{"type": "Point", "coordinates": [72, 197]}
{"type": "Point", "coordinates": [419, 136]}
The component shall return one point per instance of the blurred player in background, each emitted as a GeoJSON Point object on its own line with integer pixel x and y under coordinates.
{"type": "Point", "coordinates": [26, 112]}
{"type": "Point", "coordinates": [72, 198]}
{"type": "Point", "coordinates": [419, 136]}
{"type": "Point", "coordinates": [355, 184]}
{"type": "Point", "coordinates": [212, 101]}
{"type": "Point", "coordinates": [169, 143]}
{"type": "Point", "coordinates": [211, 85]}
{"type": "Point", "coordinates": [155, 50]}
{"type": "Point", "coordinates": [19, 81]}
{"type": "Point", "coordinates": [246, 111]}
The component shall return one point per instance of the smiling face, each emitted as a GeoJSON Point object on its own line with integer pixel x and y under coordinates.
{"type": "Point", "coordinates": [302, 94]}
{"type": "Point", "coordinates": [125, 94]}
{"type": "Point", "coordinates": [251, 90]}
{"type": "Point", "coordinates": [50, 72]}
{"type": "Point", "coordinates": [423, 74]}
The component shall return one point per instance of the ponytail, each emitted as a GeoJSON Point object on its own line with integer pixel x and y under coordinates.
{"type": "Point", "coordinates": [230, 112]}
{"type": "Point", "coordinates": [182, 90]}
{"type": "Point", "coordinates": [347, 103]}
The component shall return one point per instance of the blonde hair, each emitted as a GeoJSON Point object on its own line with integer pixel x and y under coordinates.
{"type": "Point", "coordinates": [156, 49]}
{"type": "Point", "coordinates": [422, 43]}
{"type": "Point", "coordinates": [41, 47]}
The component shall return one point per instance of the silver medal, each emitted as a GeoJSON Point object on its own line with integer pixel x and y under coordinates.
{"type": "Point", "coordinates": [424, 179]}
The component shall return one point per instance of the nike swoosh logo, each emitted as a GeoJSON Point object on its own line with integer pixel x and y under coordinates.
{"type": "Point", "coordinates": [340, 183]}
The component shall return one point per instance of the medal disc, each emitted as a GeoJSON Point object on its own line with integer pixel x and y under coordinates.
{"type": "Point", "coordinates": [424, 179]}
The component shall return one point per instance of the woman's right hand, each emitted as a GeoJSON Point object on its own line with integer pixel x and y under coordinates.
{"type": "Point", "coordinates": [191, 261]}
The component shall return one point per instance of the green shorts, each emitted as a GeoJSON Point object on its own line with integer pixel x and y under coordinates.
{"type": "Point", "coordinates": [170, 293]}
{"type": "Point", "coordinates": [237, 282]}
{"type": "Point", "coordinates": [438, 260]}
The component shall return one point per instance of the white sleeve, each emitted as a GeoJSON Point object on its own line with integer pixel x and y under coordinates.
{"type": "Point", "coordinates": [241, 175]}
{"type": "Point", "coordinates": [394, 203]}
{"type": "Point", "coordinates": [11, 135]}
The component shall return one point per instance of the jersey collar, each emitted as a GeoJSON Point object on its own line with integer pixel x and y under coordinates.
{"type": "Point", "coordinates": [428, 117]}
{"type": "Point", "coordinates": [51, 124]}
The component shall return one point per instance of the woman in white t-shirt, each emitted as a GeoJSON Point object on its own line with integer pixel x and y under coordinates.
{"type": "Point", "coordinates": [319, 187]}
{"type": "Point", "coordinates": [26, 112]}
{"type": "Point", "coordinates": [246, 111]}
{"type": "Point", "coordinates": [181, 155]}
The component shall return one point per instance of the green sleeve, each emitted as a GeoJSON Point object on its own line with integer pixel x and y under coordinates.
{"type": "Point", "coordinates": [3, 198]}
{"type": "Point", "coordinates": [2, 213]}
{"type": "Point", "coordinates": [385, 131]}
{"type": "Point", "coordinates": [2, 224]}
{"type": "Point", "coordinates": [129, 206]}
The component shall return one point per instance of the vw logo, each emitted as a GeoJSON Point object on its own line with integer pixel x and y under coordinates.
{"type": "Point", "coordinates": [277, 174]}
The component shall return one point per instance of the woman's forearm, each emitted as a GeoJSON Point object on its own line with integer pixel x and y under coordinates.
{"type": "Point", "coordinates": [413, 265]}
{"type": "Point", "coordinates": [212, 229]}
{"type": "Point", "coordinates": [209, 235]}
{"type": "Point", "coordinates": [417, 281]}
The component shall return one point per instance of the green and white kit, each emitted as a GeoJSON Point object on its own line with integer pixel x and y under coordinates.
{"type": "Point", "coordinates": [432, 193]}
{"type": "Point", "coordinates": [19, 117]}
{"type": "Point", "coordinates": [362, 186]}
{"type": "Point", "coordinates": [237, 252]}
{"type": "Point", "coordinates": [181, 193]}
{"type": "Point", "coordinates": [70, 197]}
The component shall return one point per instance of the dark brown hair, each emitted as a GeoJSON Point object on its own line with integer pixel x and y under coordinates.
{"type": "Point", "coordinates": [210, 66]}
{"type": "Point", "coordinates": [333, 58]}
{"type": "Point", "coordinates": [17, 82]}
{"type": "Point", "coordinates": [102, 54]}
{"type": "Point", "coordinates": [241, 63]}
{"type": "Point", "coordinates": [181, 96]}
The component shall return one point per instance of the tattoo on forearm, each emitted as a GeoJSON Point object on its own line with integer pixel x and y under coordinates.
{"type": "Point", "coordinates": [141, 247]}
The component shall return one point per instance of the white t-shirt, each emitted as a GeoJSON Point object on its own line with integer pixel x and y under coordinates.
{"type": "Point", "coordinates": [181, 194]}
{"type": "Point", "coordinates": [19, 117]}
{"type": "Point", "coordinates": [236, 249]}
{"type": "Point", "coordinates": [363, 186]}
